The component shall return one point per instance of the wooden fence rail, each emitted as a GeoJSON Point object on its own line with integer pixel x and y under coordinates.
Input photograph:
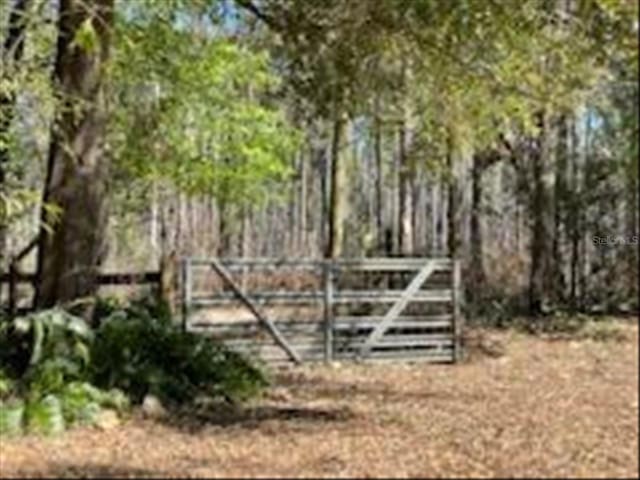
{"type": "Point", "coordinates": [15, 277]}
{"type": "Point", "coordinates": [131, 278]}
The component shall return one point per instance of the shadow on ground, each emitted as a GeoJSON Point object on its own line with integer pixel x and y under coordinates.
{"type": "Point", "coordinates": [341, 390]}
{"type": "Point", "coordinates": [254, 417]}
{"type": "Point", "coordinates": [91, 470]}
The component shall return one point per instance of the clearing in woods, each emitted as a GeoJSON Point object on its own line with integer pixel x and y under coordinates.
{"type": "Point", "coordinates": [544, 408]}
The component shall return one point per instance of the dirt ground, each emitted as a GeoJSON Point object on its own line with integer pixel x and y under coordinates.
{"type": "Point", "coordinates": [544, 408]}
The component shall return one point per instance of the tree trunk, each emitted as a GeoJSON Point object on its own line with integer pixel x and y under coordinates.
{"type": "Point", "coordinates": [560, 195]}
{"type": "Point", "coordinates": [153, 220]}
{"type": "Point", "coordinates": [292, 242]}
{"type": "Point", "coordinates": [12, 50]}
{"type": "Point", "coordinates": [452, 211]}
{"type": "Point", "coordinates": [541, 248]}
{"type": "Point", "coordinates": [405, 194]}
{"type": "Point", "coordinates": [574, 220]}
{"type": "Point", "coordinates": [476, 267]}
{"type": "Point", "coordinates": [337, 193]}
{"type": "Point", "coordinates": [70, 256]}
{"type": "Point", "coordinates": [442, 217]}
{"type": "Point", "coordinates": [377, 148]}
{"type": "Point", "coordinates": [632, 212]}
{"type": "Point", "coordinates": [224, 229]}
{"type": "Point", "coordinates": [435, 218]}
{"type": "Point", "coordinates": [302, 234]}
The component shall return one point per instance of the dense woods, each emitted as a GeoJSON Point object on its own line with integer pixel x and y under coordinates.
{"type": "Point", "coordinates": [500, 133]}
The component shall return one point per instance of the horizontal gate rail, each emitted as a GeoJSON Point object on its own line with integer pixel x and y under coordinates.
{"type": "Point", "coordinates": [366, 264]}
{"type": "Point", "coordinates": [353, 296]}
{"type": "Point", "coordinates": [367, 324]}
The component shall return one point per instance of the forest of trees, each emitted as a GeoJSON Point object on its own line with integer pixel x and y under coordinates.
{"type": "Point", "coordinates": [500, 132]}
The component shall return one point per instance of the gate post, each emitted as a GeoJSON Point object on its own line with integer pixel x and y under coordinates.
{"type": "Point", "coordinates": [327, 271]}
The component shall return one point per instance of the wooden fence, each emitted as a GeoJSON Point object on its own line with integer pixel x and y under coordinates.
{"type": "Point", "coordinates": [310, 310]}
{"type": "Point", "coordinates": [14, 277]}
{"type": "Point", "coordinates": [163, 279]}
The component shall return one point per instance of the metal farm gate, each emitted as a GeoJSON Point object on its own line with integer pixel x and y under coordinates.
{"type": "Point", "coordinates": [313, 310]}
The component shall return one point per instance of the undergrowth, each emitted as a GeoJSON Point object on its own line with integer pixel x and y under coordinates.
{"type": "Point", "coordinates": [55, 371]}
{"type": "Point", "coordinates": [44, 375]}
{"type": "Point", "coordinates": [559, 325]}
{"type": "Point", "coordinates": [140, 350]}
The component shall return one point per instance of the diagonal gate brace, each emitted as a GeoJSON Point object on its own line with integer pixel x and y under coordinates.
{"type": "Point", "coordinates": [270, 326]}
{"type": "Point", "coordinates": [397, 308]}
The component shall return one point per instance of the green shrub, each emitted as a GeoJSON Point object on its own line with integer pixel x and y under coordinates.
{"type": "Point", "coordinates": [6, 384]}
{"type": "Point", "coordinates": [82, 402]}
{"type": "Point", "coordinates": [15, 349]}
{"type": "Point", "coordinates": [55, 371]}
{"type": "Point", "coordinates": [43, 385]}
{"type": "Point", "coordinates": [139, 350]}
{"type": "Point", "coordinates": [74, 403]}
{"type": "Point", "coordinates": [146, 307]}
{"type": "Point", "coordinates": [11, 417]}
{"type": "Point", "coordinates": [105, 306]}
{"type": "Point", "coordinates": [45, 416]}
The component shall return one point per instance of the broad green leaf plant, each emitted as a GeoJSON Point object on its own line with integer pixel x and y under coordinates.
{"type": "Point", "coordinates": [49, 389]}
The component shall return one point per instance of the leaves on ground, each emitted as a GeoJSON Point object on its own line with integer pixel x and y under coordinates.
{"type": "Point", "coordinates": [544, 409]}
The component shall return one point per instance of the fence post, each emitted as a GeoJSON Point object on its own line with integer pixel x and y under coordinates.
{"type": "Point", "coordinates": [457, 317]}
{"type": "Point", "coordinates": [186, 290]}
{"type": "Point", "coordinates": [327, 267]}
